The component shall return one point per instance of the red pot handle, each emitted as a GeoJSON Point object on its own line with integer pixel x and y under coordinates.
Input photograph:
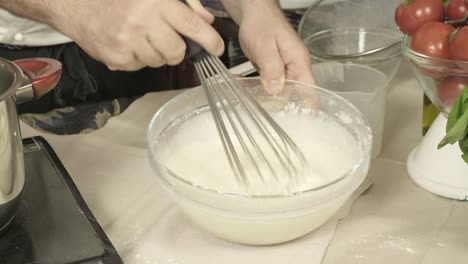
{"type": "Point", "coordinates": [44, 73]}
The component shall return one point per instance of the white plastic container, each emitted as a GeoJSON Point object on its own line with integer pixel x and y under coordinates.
{"type": "Point", "coordinates": [440, 171]}
{"type": "Point", "coordinates": [363, 86]}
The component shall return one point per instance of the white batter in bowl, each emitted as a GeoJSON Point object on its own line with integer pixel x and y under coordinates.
{"type": "Point", "coordinates": [189, 161]}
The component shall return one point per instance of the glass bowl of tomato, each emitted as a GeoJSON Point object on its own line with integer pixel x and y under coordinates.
{"type": "Point", "coordinates": [442, 79]}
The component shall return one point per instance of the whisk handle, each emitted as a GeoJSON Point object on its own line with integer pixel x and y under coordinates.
{"type": "Point", "coordinates": [194, 52]}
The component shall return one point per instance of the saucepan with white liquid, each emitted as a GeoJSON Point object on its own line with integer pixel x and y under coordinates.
{"type": "Point", "coordinates": [188, 159]}
{"type": "Point", "coordinates": [20, 81]}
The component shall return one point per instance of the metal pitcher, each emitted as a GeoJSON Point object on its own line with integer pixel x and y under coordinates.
{"type": "Point", "coordinates": [20, 81]}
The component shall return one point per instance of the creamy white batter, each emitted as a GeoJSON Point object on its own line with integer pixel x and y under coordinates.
{"type": "Point", "coordinates": [194, 152]}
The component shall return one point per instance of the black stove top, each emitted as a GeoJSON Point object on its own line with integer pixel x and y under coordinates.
{"type": "Point", "coordinates": [53, 223]}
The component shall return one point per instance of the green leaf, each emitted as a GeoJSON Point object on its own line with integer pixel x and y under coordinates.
{"type": "Point", "coordinates": [465, 157]}
{"type": "Point", "coordinates": [460, 106]}
{"type": "Point", "coordinates": [465, 103]}
{"type": "Point", "coordinates": [457, 125]}
{"type": "Point", "coordinates": [458, 131]}
{"type": "Point", "coordinates": [464, 145]}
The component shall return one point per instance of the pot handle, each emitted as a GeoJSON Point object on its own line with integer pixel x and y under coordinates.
{"type": "Point", "coordinates": [44, 74]}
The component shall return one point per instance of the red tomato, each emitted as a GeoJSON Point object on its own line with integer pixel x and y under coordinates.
{"type": "Point", "coordinates": [412, 14]}
{"type": "Point", "coordinates": [450, 88]}
{"type": "Point", "coordinates": [459, 45]}
{"type": "Point", "coordinates": [432, 39]}
{"type": "Point", "coordinates": [457, 9]}
{"type": "Point", "coordinates": [459, 48]}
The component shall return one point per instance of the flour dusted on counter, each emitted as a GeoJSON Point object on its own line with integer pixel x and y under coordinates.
{"type": "Point", "coordinates": [195, 152]}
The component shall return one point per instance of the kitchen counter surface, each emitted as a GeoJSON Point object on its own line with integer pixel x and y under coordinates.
{"type": "Point", "coordinates": [393, 222]}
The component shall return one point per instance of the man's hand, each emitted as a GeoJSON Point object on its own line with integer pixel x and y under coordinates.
{"type": "Point", "coordinates": [126, 35]}
{"type": "Point", "coordinates": [129, 35]}
{"type": "Point", "coordinates": [270, 43]}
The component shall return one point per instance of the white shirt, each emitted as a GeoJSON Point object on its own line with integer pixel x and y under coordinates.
{"type": "Point", "coordinates": [24, 32]}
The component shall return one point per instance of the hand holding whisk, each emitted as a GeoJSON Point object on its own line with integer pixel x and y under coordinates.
{"type": "Point", "coordinates": [256, 147]}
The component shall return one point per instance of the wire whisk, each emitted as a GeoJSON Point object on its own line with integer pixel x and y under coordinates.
{"type": "Point", "coordinates": [256, 147]}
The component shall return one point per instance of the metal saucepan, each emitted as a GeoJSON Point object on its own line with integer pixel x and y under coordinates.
{"type": "Point", "coordinates": [20, 81]}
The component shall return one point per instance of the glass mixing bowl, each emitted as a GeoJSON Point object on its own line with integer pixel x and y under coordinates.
{"type": "Point", "coordinates": [437, 77]}
{"type": "Point", "coordinates": [269, 219]}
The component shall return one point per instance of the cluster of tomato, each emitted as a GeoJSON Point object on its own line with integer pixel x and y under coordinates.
{"type": "Point", "coordinates": [439, 29]}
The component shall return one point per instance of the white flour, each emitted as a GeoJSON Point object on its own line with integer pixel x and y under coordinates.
{"type": "Point", "coordinates": [195, 153]}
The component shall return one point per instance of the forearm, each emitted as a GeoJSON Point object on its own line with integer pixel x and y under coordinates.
{"type": "Point", "coordinates": [237, 8]}
{"type": "Point", "coordinates": [39, 10]}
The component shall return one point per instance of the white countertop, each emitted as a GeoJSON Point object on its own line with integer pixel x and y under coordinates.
{"type": "Point", "coordinates": [393, 222]}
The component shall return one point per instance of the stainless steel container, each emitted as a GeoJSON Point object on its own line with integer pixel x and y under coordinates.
{"type": "Point", "coordinates": [20, 81]}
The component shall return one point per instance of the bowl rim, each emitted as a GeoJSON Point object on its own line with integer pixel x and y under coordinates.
{"type": "Point", "coordinates": [365, 156]}
{"type": "Point", "coordinates": [409, 52]}
{"type": "Point", "coordinates": [365, 58]}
